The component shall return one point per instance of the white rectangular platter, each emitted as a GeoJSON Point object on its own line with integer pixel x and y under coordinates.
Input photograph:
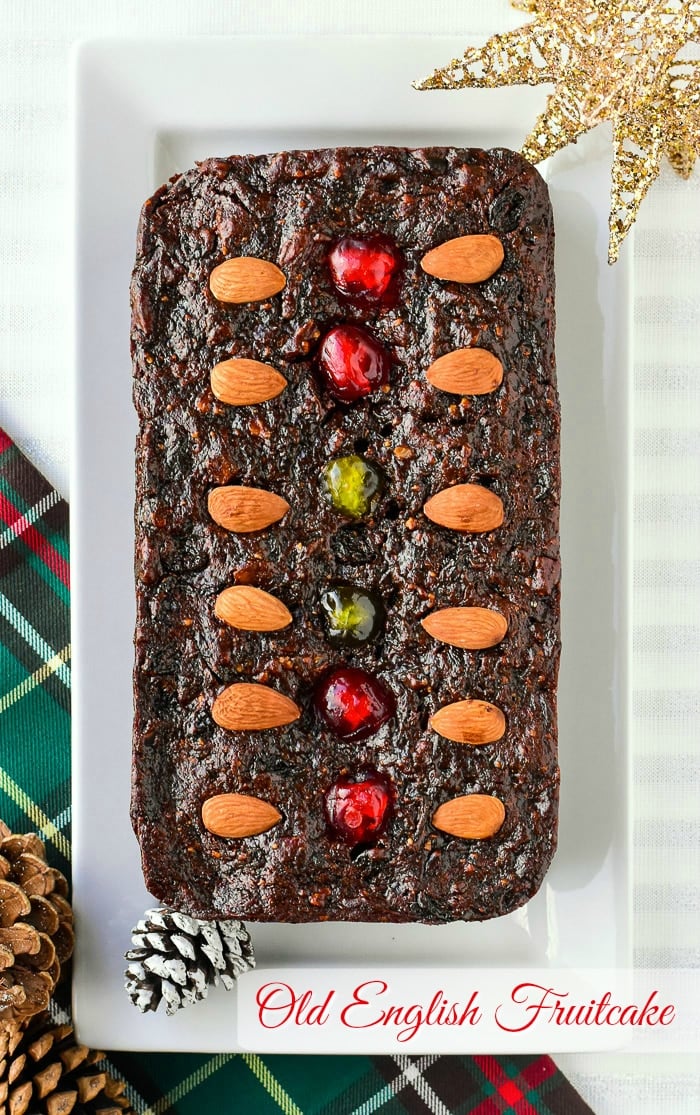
{"type": "Point", "coordinates": [145, 110]}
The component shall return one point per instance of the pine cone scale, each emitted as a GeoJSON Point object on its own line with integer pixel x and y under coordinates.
{"type": "Point", "coordinates": [61, 1103]}
{"type": "Point", "coordinates": [19, 1099]}
{"type": "Point", "coordinates": [14, 903]}
{"type": "Point", "coordinates": [43, 915]}
{"type": "Point", "coordinates": [30, 995]}
{"type": "Point", "coordinates": [91, 1086]}
{"type": "Point", "coordinates": [40, 1047]}
{"type": "Point", "coordinates": [46, 1081]}
{"type": "Point", "coordinates": [15, 1069]}
{"type": "Point", "coordinates": [14, 844]}
{"type": "Point", "coordinates": [73, 1056]}
{"type": "Point", "coordinates": [21, 938]}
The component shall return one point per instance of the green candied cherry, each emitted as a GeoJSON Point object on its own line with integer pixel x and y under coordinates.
{"type": "Point", "coordinates": [352, 484]}
{"type": "Point", "coordinates": [352, 615]}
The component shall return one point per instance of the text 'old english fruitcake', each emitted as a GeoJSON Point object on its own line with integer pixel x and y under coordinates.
{"type": "Point", "coordinates": [347, 553]}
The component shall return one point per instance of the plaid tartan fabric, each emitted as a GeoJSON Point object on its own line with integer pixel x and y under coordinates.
{"type": "Point", "coordinates": [35, 794]}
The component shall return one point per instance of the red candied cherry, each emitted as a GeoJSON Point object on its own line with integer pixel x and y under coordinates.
{"type": "Point", "coordinates": [353, 703]}
{"type": "Point", "coordinates": [363, 267]}
{"type": "Point", "coordinates": [358, 811]}
{"type": "Point", "coordinates": [353, 363]}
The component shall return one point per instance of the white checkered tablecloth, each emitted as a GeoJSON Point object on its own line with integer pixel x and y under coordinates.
{"type": "Point", "coordinates": [35, 410]}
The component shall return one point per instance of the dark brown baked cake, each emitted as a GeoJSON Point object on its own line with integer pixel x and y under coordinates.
{"type": "Point", "coordinates": [316, 736]}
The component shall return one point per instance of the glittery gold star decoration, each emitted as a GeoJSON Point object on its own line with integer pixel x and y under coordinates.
{"type": "Point", "coordinates": [634, 62]}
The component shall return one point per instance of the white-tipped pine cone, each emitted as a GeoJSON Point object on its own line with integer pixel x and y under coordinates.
{"type": "Point", "coordinates": [176, 959]}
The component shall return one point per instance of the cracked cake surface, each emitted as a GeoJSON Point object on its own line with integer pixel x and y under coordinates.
{"type": "Point", "coordinates": [291, 209]}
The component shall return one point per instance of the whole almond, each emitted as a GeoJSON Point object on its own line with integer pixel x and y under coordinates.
{"type": "Point", "coordinates": [244, 510]}
{"type": "Point", "coordinates": [470, 721]}
{"type": "Point", "coordinates": [472, 816]}
{"type": "Point", "coordinates": [465, 507]}
{"type": "Point", "coordinates": [238, 815]}
{"type": "Point", "coordinates": [466, 371]}
{"type": "Point", "coordinates": [246, 279]}
{"type": "Point", "coordinates": [466, 259]}
{"type": "Point", "coordinates": [243, 382]}
{"type": "Point", "coordinates": [249, 707]}
{"type": "Point", "coordinates": [469, 628]}
{"type": "Point", "coordinates": [251, 609]}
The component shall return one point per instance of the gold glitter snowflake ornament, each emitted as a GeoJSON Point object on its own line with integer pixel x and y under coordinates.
{"type": "Point", "coordinates": [628, 61]}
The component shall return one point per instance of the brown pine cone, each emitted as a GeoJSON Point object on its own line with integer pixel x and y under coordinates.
{"type": "Point", "coordinates": [36, 926]}
{"type": "Point", "coordinates": [43, 1071]}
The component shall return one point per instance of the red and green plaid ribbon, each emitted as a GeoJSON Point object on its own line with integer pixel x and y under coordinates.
{"type": "Point", "coordinates": [35, 684]}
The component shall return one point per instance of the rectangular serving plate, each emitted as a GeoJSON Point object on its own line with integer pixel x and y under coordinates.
{"type": "Point", "coordinates": [144, 110]}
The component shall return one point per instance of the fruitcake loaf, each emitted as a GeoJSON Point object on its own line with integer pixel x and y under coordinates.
{"type": "Point", "coordinates": [347, 554]}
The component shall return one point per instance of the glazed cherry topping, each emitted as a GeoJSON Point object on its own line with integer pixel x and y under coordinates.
{"type": "Point", "coordinates": [363, 268]}
{"type": "Point", "coordinates": [353, 703]}
{"type": "Point", "coordinates": [352, 615]}
{"type": "Point", "coordinates": [352, 484]}
{"type": "Point", "coordinates": [353, 363]}
{"type": "Point", "coordinates": [358, 811]}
